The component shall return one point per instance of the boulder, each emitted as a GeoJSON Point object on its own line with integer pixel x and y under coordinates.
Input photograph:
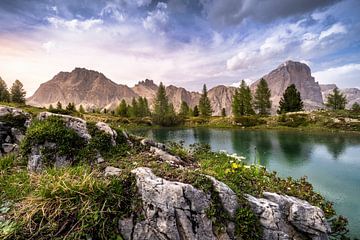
{"type": "Point", "coordinates": [285, 217]}
{"type": "Point", "coordinates": [77, 124]}
{"type": "Point", "coordinates": [167, 157]}
{"type": "Point", "coordinates": [173, 210]}
{"type": "Point", "coordinates": [151, 143]}
{"type": "Point", "coordinates": [112, 171]}
{"type": "Point", "coordinates": [107, 129]}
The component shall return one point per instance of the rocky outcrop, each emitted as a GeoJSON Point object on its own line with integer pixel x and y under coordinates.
{"type": "Point", "coordinates": [81, 86]}
{"type": "Point", "coordinates": [173, 210]}
{"type": "Point", "coordinates": [285, 217]}
{"type": "Point", "coordinates": [221, 97]}
{"type": "Point", "coordinates": [108, 130]}
{"type": "Point", "coordinates": [293, 73]}
{"type": "Point", "coordinates": [77, 124]}
{"type": "Point", "coordinates": [13, 123]}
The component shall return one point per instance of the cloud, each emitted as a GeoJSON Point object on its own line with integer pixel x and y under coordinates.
{"type": "Point", "coordinates": [48, 46]}
{"type": "Point", "coordinates": [343, 76]}
{"type": "Point", "coordinates": [337, 28]}
{"type": "Point", "coordinates": [157, 19]}
{"type": "Point", "coordinates": [74, 24]}
{"type": "Point", "coordinates": [233, 12]}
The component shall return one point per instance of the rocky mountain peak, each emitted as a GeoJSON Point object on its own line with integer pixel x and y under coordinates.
{"type": "Point", "coordinates": [291, 72]}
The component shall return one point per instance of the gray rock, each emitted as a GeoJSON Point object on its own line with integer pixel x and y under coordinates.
{"type": "Point", "coordinates": [107, 129]}
{"type": "Point", "coordinates": [152, 143]}
{"type": "Point", "coordinates": [112, 171]}
{"type": "Point", "coordinates": [77, 124]}
{"type": "Point", "coordinates": [172, 210]}
{"type": "Point", "coordinates": [285, 217]}
{"type": "Point", "coordinates": [167, 157]}
{"type": "Point", "coordinates": [35, 163]}
{"type": "Point", "coordinates": [8, 139]}
{"type": "Point", "coordinates": [17, 134]}
{"type": "Point", "coordinates": [9, 147]}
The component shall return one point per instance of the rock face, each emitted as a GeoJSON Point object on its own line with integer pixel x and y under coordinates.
{"type": "Point", "coordinates": [293, 73]}
{"type": "Point", "coordinates": [13, 123]}
{"type": "Point", "coordinates": [93, 90]}
{"type": "Point", "coordinates": [352, 94]}
{"type": "Point", "coordinates": [284, 217]}
{"type": "Point", "coordinates": [81, 86]}
{"type": "Point", "coordinates": [174, 210]}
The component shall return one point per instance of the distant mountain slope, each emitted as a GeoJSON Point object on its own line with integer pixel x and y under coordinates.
{"type": "Point", "coordinates": [352, 94]}
{"type": "Point", "coordinates": [93, 89]}
{"type": "Point", "coordinates": [293, 73]}
{"type": "Point", "coordinates": [81, 86]}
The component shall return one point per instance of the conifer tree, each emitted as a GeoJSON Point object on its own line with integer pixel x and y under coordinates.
{"type": "Point", "coordinates": [4, 92]}
{"type": "Point", "coordinates": [58, 106]}
{"type": "Point", "coordinates": [51, 108]}
{"type": "Point", "coordinates": [223, 112]}
{"type": "Point", "coordinates": [134, 110]}
{"type": "Point", "coordinates": [262, 96]}
{"type": "Point", "coordinates": [122, 109]}
{"type": "Point", "coordinates": [196, 111]}
{"type": "Point", "coordinates": [291, 100]}
{"type": "Point", "coordinates": [242, 101]}
{"type": "Point", "coordinates": [161, 106]}
{"type": "Point", "coordinates": [355, 107]}
{"type": "Point", "coordinates": [336, 100]}
{"type": "Point", "coordinates": [71, 107]}
{"type": "Point", "coordinates": [81, 109]}
{"type": "Point", "coordinates": [184, 109]}
{"type": "Point", "coordinates": [204, 104]}
{"type": "Point", "coordinates": [17, 92]}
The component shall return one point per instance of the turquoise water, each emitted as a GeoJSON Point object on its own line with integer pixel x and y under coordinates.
{"type": "Point", "coordinates": [331, 161]}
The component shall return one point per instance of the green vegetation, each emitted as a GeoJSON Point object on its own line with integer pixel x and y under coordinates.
{"type": "Point", "coordinates": [4, 92]}
{"type": "Point", "coordinates": [204, 104]}
{"type": "Point", "coordinates": [17, 92]}
{"type": "Point", "coordinates": [262, 101]}
{"type": "Point", "coordinates": [78, 202]}
{"type": "Point", "coordinates": [242, 101]}
{"type": "Point", "coordinates": [290, 101]}
{"type": "Point", "coordinates": [336, 100]}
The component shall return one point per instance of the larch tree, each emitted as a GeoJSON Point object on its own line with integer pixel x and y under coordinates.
{"type": "Point", "coordinates": [336, 100]}
{"type": "Point", "coordinates": [204, 104]}
{"type": "Point", "coordinates": [4, 92]}
{"type": "Point", "coordinates": [242, 101]}
{"type": "Point", "coordinates": [17, 92]}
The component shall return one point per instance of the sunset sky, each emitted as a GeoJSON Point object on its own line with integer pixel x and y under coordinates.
{"type": "Point", "coordinates": [181, 42]}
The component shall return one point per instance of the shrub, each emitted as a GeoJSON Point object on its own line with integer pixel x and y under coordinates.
{"type": "Point", "coordinates": [249, 121]}
{"type": "Point", "coordinates": [293, 120]}
{"type": "Point", "coordinates": [52, 130]}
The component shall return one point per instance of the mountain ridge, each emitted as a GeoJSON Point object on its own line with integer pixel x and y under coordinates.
{"type": "Point", "coordinates": [93, 89]}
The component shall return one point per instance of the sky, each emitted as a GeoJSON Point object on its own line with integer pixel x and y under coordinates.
{"type": "Point", "coordinates": [181, 42]}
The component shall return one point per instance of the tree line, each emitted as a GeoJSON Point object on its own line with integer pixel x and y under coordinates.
{"type": "Point", "coordinates": [16, 94]}
{"type": "Point", "coordinates": [244, 103]}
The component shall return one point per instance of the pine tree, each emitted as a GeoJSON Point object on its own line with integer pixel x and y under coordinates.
{"type": "Point", "coordinates": [262, 101]}
{"type": "Point", "coordinates": [122, 109]}
{"type": "Point", "coordinates": [71, 107]}
{"type": "Point", "coordinates": [81, 109]}
{"type": "Point", "coordinates": [204, 104]}
{"type": "Point", "coordinates": [184, 109]}
{"type": "Point", "coordinates": [143, 107]}
{"type": "Point", "coordinates": [336, 100]}
{"type": "Point", "coordinates": [242, 101]}
{"type": "Point", "coordinates": [196, 111]}
{"type": "Point", "coordinates": [355, 107]}
{"type": "Point", "coordinates": [51, 108]}
{"type": "Point", "coordinates": [17, 92]}
{"type": "Point", "coordinates": [134, 110]}
{"type": "Point", "coordinates": [4, 92]}
{"type": "Point", "coordinates": [161, 106]}
{"type": "Point", "coordinates": [58, 106]}
{"type": "Point", "coordinates": [291, 100]}
{"type": "Point", "coordinates": [223, 112]}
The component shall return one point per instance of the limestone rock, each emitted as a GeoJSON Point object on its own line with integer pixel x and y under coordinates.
{"type": "Point", "coordinates": [81, 86]}
{"type": "Point", "coordinates": [285, 217]}
{"type": "Point", "coordinates": [17, 134]}
{"type": "Point", "coordinates": [9, 147]}
{"type": "Point", "coordinates": [172, 210]}
{"type": "Point", "coordinates": [293, 73]}
{"type": "Point", "coordinates": [152, 143]}
{"type": "Point", "coordinates": [352, 94]}
{"type": "Point", "coordinates": [107, 129]}
{"type": "Point", "coordinates": [112, 171]}
{"type": "Point", "coordinates": [77, 124]}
